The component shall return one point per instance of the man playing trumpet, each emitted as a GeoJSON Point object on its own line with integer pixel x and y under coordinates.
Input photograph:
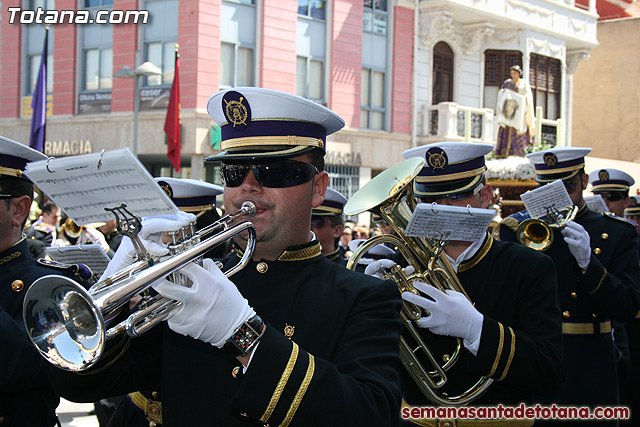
{"type": "Point", "coordinates": [292, 339]}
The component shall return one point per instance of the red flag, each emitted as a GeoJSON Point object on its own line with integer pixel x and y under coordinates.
{"type": "Point", "coordinates": [172, 123]}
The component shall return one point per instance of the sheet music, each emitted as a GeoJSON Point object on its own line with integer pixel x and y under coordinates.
{"type": "Point", "coordinates": [449, 222]}
{"type": "Point", "coordinates": [90, 255]}
{"type": "Point", "coordinates": [84, 185]}
{"type": "Point", "coordinates": [552, 195]}
{"type": "Point", "coordinates": [596, 203]}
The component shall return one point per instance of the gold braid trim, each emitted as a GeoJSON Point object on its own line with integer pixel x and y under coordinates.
{"type": "Point", "coordinates": [281, 384]}
{"type": "Point", "coordinates": [512, 352]}
{"type": "Point", "coordinates": [301, 392]}
{"type": "Point", "coordinates": [262, 141]}
{"type": "Point", "coordinates": [10, 257]}
{"type": "Point", "coordinates": [510, 222]}
{"type": "Point", "coordinates": [594, 290]}
{"type": "Point", "coordinates": [499, 352]}
{"type": "Point", "coordinates": [10, 172]}
{"type": "Point", "coordinates": [301, 254]}
{"type": "Point", "coordinates": [478, 256]}
{"type": "Point", "coordinates": [452, 176]}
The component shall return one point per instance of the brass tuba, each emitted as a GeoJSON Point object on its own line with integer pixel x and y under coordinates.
{"type": "Point", "coordinates": [390, 195]}
{"type": "Point", "coordinates": [68, 324]}
{"type": "Point", "coordinates": [537, 234]}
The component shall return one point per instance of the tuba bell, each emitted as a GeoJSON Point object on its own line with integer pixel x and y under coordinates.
{"type": "Point", "coordinates": [68, 324]}
{"type": "Point", "coordinates": [390, 195]}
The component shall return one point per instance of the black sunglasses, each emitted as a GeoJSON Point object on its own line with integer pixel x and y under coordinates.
{"type": "Point", "coordinates": [283, 174]}
{"type": "Point", "coordinates": [613, 197]}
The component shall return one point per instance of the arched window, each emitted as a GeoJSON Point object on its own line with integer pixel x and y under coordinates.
{"type": "Point", "coordinates": [442, 73]}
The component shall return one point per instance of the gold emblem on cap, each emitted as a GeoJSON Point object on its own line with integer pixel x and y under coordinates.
{"type": "Point", "coordinates": [437, 160]}
{"type": "Point", "coordinates": [289, 331]}
{"type": "Point", "coordinates": [603, 175]}
{"type": "Point", "coordinates": [167, 189]}
{"type": "Point", "coordinates": [17, 285]}
{"type": "Point", "coordinates": [550, 159]}
{"type": "Point", "coordinates": [236, 112]}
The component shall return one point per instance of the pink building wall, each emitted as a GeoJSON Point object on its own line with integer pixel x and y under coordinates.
{"type": "Point", "coordinates": [402, 70]}
{"type": "Point", "coordinates": [199, 40]}
{"type": "Point", "coordinates": [10, 63]}
{"type": "Point", "coordinates": [65, 61]}
{"type": "Point", "coordinates": [278, 62]}
{"type": "Point", "coordinates": [125, 41]}
{"type": "Point", "coordinates": [346, 60]}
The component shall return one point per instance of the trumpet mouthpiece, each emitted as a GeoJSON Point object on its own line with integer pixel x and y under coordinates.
{"type": "Point", "coordinates": [248, 208]}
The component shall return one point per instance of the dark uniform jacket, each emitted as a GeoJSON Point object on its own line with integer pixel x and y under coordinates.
{"type": "Point", "coordinates": [329, 356]}
{"type": "Point", "coordinates": [338, 257]}
{"type": "Point", "coordinates": [26, 397]}
{"type": "Point", "coordinates": [521, 342]}
{"type": "Point", "coordinates": [608, 290]}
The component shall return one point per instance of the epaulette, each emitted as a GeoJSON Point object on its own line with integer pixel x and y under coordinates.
{"type": "Point", "coordinates": [45, 228]}
{"type": "Point", "coordinates": [619, 218]}
{"type": "Point", "coordinates": [79, 270]}
{"type": "Point", "coordinates": [510, 222]}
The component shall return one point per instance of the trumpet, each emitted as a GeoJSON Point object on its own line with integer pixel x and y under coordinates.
{"type": "Point", "coordinates": [537, 234]}
{"type": "Point", "coordinates": [68, 324]}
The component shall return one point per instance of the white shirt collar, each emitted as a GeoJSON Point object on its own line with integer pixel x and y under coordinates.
{"type": "Point", "coordinates": [466, 254]}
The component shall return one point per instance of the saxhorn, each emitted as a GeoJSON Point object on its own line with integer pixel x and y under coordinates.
{"type": "Point", "coordinates": [390, 195]}
{"type": "Point", "coordinates": [68, 324]}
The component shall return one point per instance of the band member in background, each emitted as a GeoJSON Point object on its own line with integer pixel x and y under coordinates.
{"type": "Point", "coordinates": [613, 185]}
{"type": "Point", "coordinates": [632, 212]}
{"type": "Point", "coordinates": [510, 325]}
{"type": "Point", "coordinates": [327, 223]}
{"type": "Point", "coordinates": [26, 397]}
{"type": "Point", "coordinates": [596, 258]}
{"type": "Point", "coordinates": [293, 338]}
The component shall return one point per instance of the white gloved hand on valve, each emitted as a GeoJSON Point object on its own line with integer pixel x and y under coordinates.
{"type": "Point", "coordinates": [452, 314]}
{"type": "Point", "coordinates": [376, 268]}
{"type": "Point", "coordinates": [154, 226]}
{"type": "Point", "coordinates": [213, 308]}
{"type": "Point", "coordinates": [126, 255]}
{"type": "Point", "coordinates": [579, 243]}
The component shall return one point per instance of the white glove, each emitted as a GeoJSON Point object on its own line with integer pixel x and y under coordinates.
{"type": "Point", "coordinates": [376, 268]}
{"type": "Point", "coordinates": [213, 308]}
{"type": "Point", "coordinates": [154, 226]}
{"type": "Point", "coordinates": [96, 237]}
{"type": "Point", "coordinates": [579, 243]}
{"type": "Point", "coordinates": [125, 255]}
{"type": "Point", "coordinates": [452, 314]}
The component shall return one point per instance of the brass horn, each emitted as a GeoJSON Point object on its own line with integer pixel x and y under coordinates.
{"type": "Point", "coordinates": [67, 323]}
{"type": "Point", "coordinates": [390, 195]}
{"type": "Point", "coordinates": [538, 234]}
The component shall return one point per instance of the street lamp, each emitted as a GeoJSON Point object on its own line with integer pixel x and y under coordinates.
{"type": "Point", "coordinates": [145, 69]}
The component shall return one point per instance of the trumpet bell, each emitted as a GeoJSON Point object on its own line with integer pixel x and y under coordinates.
{"type": "Point", "coordinates": [64, 323]}
{"type": "Point", "coordinates": [534, 234]}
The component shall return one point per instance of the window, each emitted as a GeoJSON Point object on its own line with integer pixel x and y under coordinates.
{"type": "Point", "coordinates": [163, 56]}
{"type": "Point", "coordinates": [372, 99]}
{"type": "Point", "coordinates": [544, 79]}
{"type": "Point", "coordinates": [312, 8]}
{"type": "Point", "coordinates": [45, 4]}
{"type": "Point", "coordinates": [496, 71]}
{"type": "Point", "coordinates": [236, 66]}
{"type": "Point", "coordinates": [97, 3]}
{"type": "Point", "coordinates": [442, 73]}
{"type": "Point", "coordinates": [98, 66]}
{"type": "Point", "coordinates": [310, 79]}
{"type": "Point", "coordinates": [374, 19]}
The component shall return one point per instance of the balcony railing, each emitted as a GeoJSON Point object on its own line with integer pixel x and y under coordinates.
{"type": "Point", "coordinates": [449, 121]}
